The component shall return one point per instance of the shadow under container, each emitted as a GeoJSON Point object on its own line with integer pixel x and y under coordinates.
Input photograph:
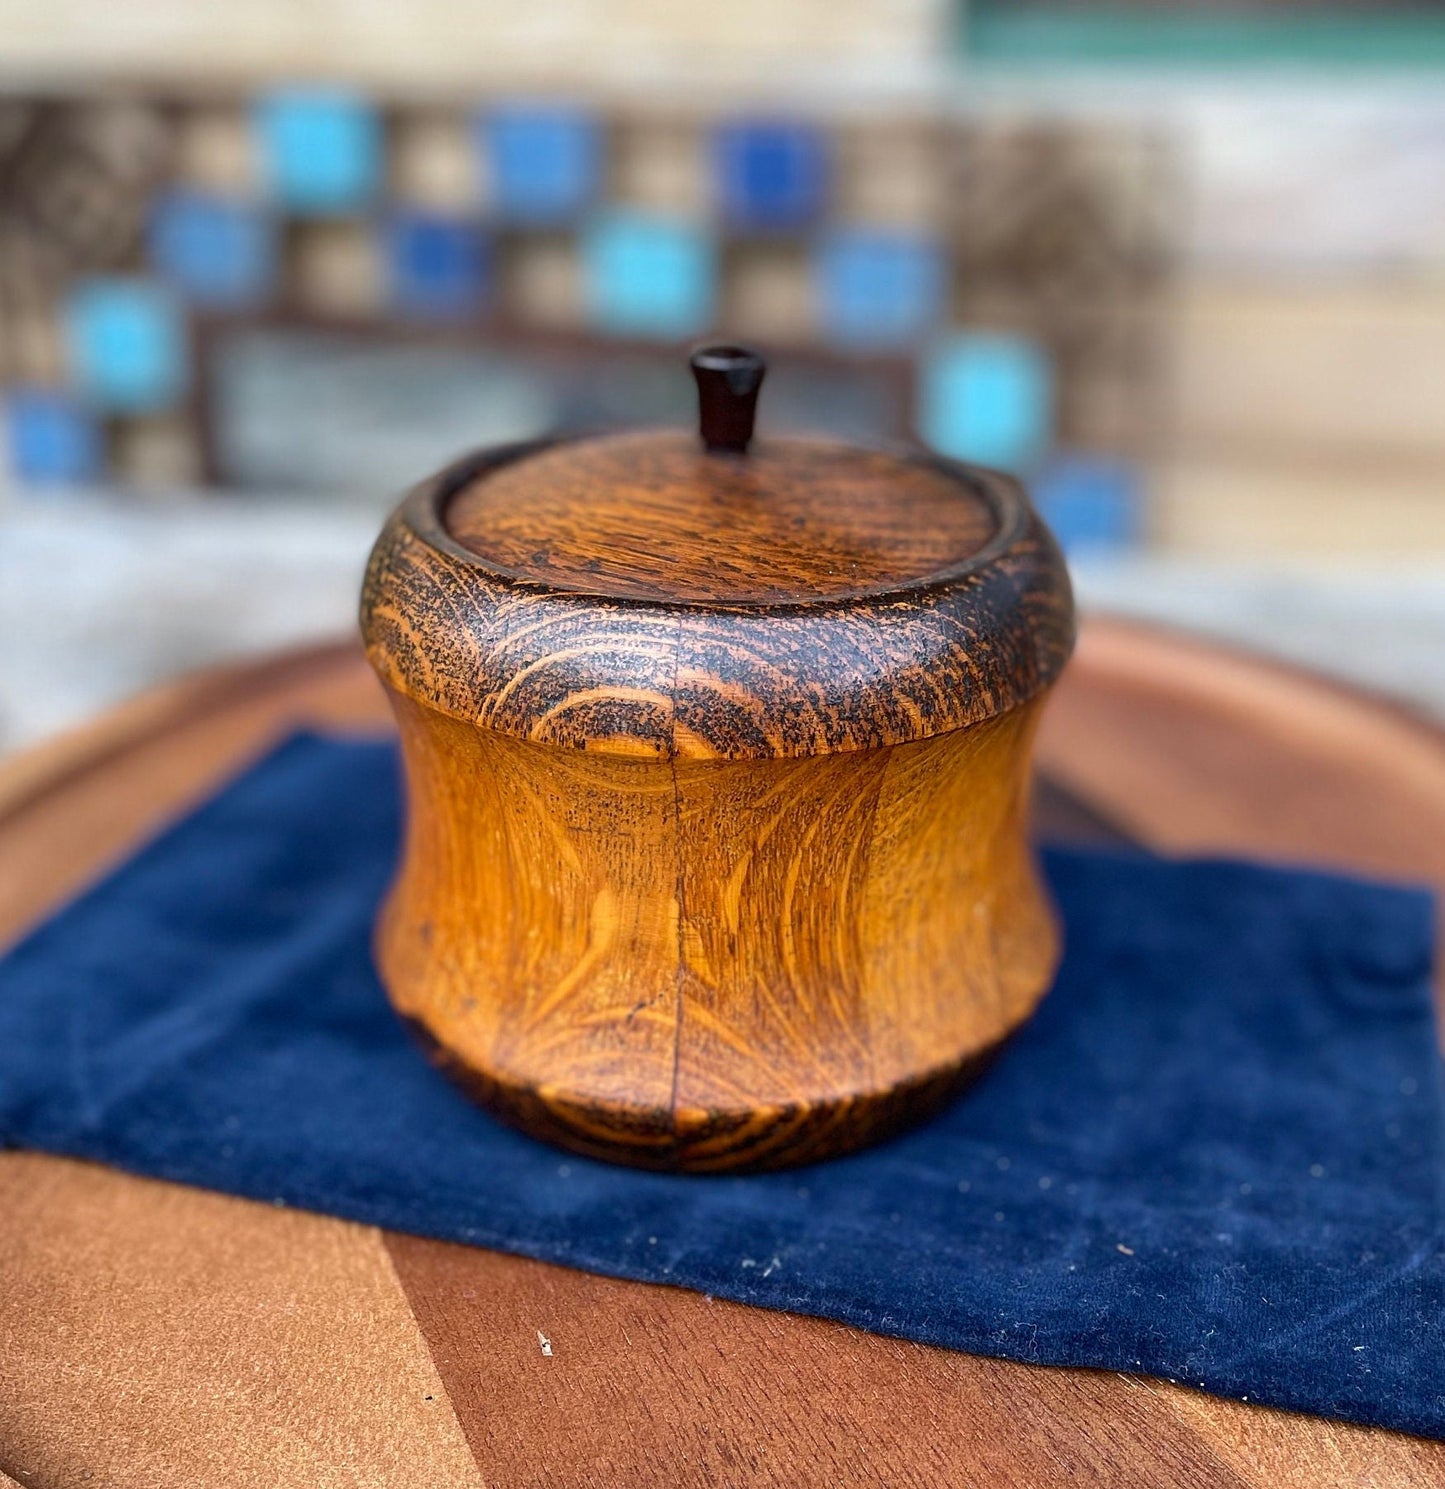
{"type": "Point", "coordinates": [717, 763]}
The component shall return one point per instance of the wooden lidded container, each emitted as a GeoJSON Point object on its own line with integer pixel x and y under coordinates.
{"type": "Point", "coordinates": [717, 759]}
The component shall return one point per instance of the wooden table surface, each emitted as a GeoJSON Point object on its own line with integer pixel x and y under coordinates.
{"type": "Point", "coordinates": [152, 1335]}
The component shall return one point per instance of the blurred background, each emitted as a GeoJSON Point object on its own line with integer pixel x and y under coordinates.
{"type": "Point", "coordinates": [1179, 264]}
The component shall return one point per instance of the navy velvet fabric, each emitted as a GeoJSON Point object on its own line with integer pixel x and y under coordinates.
{"type": "Point", "coordinates": [1216, 1154]}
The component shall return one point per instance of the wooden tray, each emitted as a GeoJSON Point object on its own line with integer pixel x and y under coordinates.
{"type": "Point", "coordinates": [152, 1335]}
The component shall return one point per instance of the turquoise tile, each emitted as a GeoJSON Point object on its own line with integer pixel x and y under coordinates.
{"type": "Point", "coordinates": [987, 398]}
{"type": "Point", "coordinates": [52, 438]}
{"type": "Point", "coordinates": [649, 276]}
{"type": "Point", "coordinates": [127, 344]}
{"type": "Point", "coordinates": [546, 162]}
{"type": "Point", "coordinates": [321, 150]}
{"type": "Point", "coordinates": [878, 288]}
{"type": "Point", "coordinates": [219, 251]}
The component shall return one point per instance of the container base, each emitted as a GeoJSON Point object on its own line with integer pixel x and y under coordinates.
{"type": "Point", "coordinates": [712, 1141]}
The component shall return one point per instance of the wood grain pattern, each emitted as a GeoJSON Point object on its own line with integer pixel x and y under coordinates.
{"type": "Point", "coordinates": [639, 1377]}
{"type": "Point", "coordinates": [715, 964]}
{"type": "Point", "coordinates": [181, 1338]}
{"type": "Point", "coordinates": [1229, 754]}
{"type": "Point", "coordinates": [765, 895]}
{"type": "Point", "coordinates": [633, 516]}
{"type": "Point", "coordinates": [677, 1390]}
{"type": "Point", "coordinates": [670, 678]}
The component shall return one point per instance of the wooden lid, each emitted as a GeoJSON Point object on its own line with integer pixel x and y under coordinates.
{"type": "Point", "coordinates": [657, 593]}
{"type": "Point", "coordinates": [654, 516]}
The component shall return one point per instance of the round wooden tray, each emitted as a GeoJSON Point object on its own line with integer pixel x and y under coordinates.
{"type": "Point", "coordinates": [159, 1335]}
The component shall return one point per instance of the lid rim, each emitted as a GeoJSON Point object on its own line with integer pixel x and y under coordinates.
{"type": "Point", "coordinates": [424, 510]}
{"type": "Point", "coordinates": [713, 680]}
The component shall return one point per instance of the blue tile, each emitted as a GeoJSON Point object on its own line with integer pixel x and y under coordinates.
{"type": "Point", "coordinates": [879, 289]}
{"type": "Point", "coordinates": [218, 251]}
{"type": "Point", "coordinates": [545, 163]}
{"type": "Point", "coordinates": [127, 344]}
{"type": "Point", "coordinates": [321, 150]}
{"type": "Point", "coordinates": [987, 398]}
{"type": "Point", "coordinates": [649, 276]}
{"type": "Point", "coordinates": [1093, 504]}
{"type": "Point", "coordinates": [437, 266]}
{"type": "Point", "coordinates": [52, 438]}
{"type": "Point", "coordinates": [770, 176]}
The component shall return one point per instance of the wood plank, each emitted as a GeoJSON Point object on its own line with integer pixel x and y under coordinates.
{"type": "Point", "coordinates": [1307, 505]}
{"type": "Point", "coordinates": [1197, 749]}
{"type": "Point", "coordinates": [1272, 1447]}
{"type": "Point", "coordinates": [415, 52]}
{"type": "Point", "coordinates": [656, 1386]}
{"type": "Point", "coordinates": [1345, 372]}
{"type": "Point", "coordinates": [160, 1335]}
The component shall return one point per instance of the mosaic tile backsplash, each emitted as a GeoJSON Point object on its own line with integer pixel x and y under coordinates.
{"type": "Point", "coordinates": [175, 274]}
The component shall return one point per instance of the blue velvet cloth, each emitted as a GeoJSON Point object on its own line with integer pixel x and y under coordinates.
{"type": "Point", "coordinates": [1215, 1155]}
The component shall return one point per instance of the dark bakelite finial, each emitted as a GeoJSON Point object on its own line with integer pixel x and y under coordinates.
{"type": "Point", "coordinates": [728, 379]}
